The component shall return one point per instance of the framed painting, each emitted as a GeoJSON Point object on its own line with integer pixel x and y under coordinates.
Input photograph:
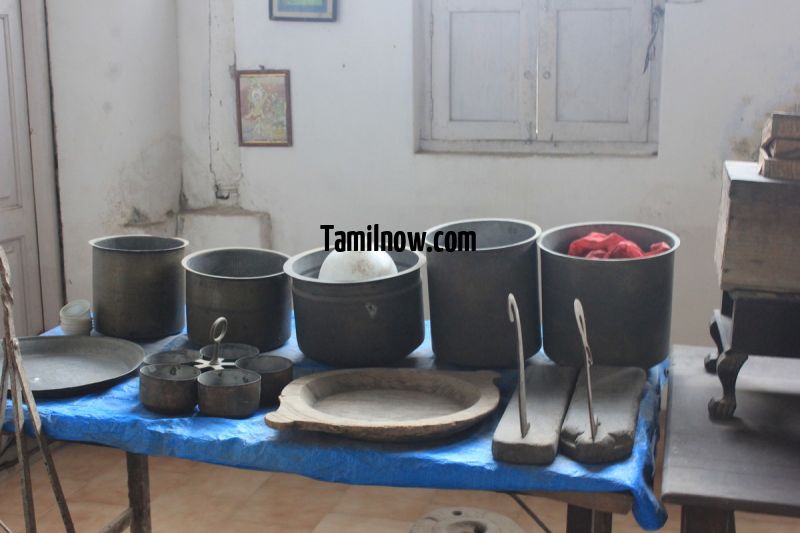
{"type": "Point", "coordinates": [264, 108]}
{"type": "Point", "coordinates": [308, 10]}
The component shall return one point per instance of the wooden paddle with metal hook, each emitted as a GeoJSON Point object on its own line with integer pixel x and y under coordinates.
{"type": "Point", "coordinates": [14, 371]}
{"type": "Point", "coordinates": [581, 320]}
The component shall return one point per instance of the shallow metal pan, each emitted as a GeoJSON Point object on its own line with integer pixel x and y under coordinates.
{"type": "Point", "coordinates": [58, 367]}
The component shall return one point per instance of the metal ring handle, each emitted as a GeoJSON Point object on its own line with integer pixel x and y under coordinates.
{"type": "Point", "coordinates": [218, 329]}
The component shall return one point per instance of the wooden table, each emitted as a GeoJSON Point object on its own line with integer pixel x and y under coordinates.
{"type": "Point", "coordinates": [748, 463]}
{"type": "Point", "coordinates": [587, 512]}
{"type": "Point", "coordinates": [464, 462]}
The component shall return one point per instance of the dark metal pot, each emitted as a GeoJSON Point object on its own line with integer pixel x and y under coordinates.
{"type": "Point", "coordinates": [275, 371]}
{"type": "Point", "coordinates": [245, 285]}
{"type": "Point", "coordinates": [138, 286]}
{"type": "Point", "coordinates": [469, 291]}
{"type": "Point", "coordinates": [627, 302]}
{"type": "Point", "coordinates": [168, 389]}
{"type": "Point", "coordinates": [363, 323]}
{"type": "Point", "coordinates": [229, 393]}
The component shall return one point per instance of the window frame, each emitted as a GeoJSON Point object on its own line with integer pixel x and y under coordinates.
{"type": "Point", "coordinates": [427, 142]}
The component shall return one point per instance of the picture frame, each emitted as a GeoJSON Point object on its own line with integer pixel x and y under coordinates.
{"type": "Point", "coordinates": [303, 10]}
{"type": "Point", "coordinates": [264, 107]}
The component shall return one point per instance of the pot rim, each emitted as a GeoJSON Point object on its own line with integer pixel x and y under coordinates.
{"type": "Point", "coordinates": [95, 243]}
{"type": "Point", "coordinates": [288, 268]}
{"type": "Point", "coordinates": [145, 370]}
{"type": "Point", "coordinates": [285, 363]}
{"type": "Point", "coordinates": [185, 262]}
{"type": "Point", "coordinates": [188, 356]}
{"type": "Point", "coordinates": [671, 235]}
{"type": "Point", "coordinates": [536, 234]}
{"type": "Point", "coordinates": [255, 375]}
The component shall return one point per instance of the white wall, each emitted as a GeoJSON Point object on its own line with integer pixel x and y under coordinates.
{"type": "Point", "coordinates": [726, 65]}
{"type": "Point", "coordinates": [114, 72]}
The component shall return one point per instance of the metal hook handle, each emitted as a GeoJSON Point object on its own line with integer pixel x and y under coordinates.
{"type": "Point", "coordinates": [513, 316]}
{"type": "Point", "coordinates": [580, 318]}
{"type": "Point", "coordinates": [218, 330]}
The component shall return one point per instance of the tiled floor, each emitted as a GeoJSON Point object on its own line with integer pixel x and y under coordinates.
{"type": "Point", "coordinates": [196, 497]}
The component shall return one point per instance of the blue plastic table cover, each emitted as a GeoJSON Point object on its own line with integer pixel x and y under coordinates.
{"type": "Point", "coordinates": [464, 461]}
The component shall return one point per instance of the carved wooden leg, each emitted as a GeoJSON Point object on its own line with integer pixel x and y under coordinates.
{"type": "Point", "coordinates": [728, 366]}
{"type": "Point", "coordinates": [710, 361]}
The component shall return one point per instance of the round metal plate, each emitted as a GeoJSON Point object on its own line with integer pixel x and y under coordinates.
{"type": "Point", "coordinates": [58, 367]}
{"type": "Point", "coordinates": [465, 519]}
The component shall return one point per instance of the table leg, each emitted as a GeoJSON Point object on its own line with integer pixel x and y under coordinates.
{"type": "Point", "coordinates": [705, 520]}
{"type": "Point", "coordinates": [583, 520]}
{"type": "Point", "coordinates": [729, 364]}
{"type": "Point", "coordinates": [139, 493]}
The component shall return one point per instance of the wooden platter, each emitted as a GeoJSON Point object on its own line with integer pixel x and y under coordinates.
{"type": "Point", "coordinates": [387, 404]}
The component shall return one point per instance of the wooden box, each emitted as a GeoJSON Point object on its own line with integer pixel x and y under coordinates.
{"type": "Point", "coordinates": [758, 235]}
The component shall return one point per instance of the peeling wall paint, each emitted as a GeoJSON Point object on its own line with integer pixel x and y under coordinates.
{"type": "Point", "coordinates": [211, 165]}
{"type": "Point", "coordinates": [114, 68]}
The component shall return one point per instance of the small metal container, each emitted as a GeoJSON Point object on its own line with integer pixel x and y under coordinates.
{"type": "Point", "coordinates": [228, 351]}
{"type": "Point", "coordinates": [469, 293]}
{"type": "Point", "coordinates": [275, 371]}
{"type": "Point", "coordinates": [627, 302]}
{"type": "Point", "coordinates": [362, 323]}
{"type": "Point", "coordinates": [229, 393]}
{"type": "Point", "coordinates": [172, 357]}
{"type": "Point", "coordinates": [168, 389]}
{"type": "Point", "coordinates": [245, 285]}
{"type": "Point", "coordinates": [138, 286]}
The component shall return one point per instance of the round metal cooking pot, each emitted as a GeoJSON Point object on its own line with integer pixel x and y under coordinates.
{"type": "Point", "coordinates": [168, 389]}
{"type": "Point", "coordinates": [229, 393]}
{"type": "Point", "coordinates": [627, 302]}
{"type": "Point", "coordinates": [138, 286]}
{"type": "Point", "coordinates": [361, 323]}
{"type": "Point", "coordinates": [245, 285]}
{"type": "Point", "coordinates": [469, 290]}
{"type": "Point", "coordinates": [276, 372]}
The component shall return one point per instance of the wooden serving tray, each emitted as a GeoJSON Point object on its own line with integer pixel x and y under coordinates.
{"type": "Point", "coordinates": [387, 404]}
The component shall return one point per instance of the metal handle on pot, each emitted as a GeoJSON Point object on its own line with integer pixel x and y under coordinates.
{"type": "Point", "coordinates": [218, 330]}
{"type": "Point", "coordinates": [587, 352]}
{"type": "Point", "coordinates": [513, 316]}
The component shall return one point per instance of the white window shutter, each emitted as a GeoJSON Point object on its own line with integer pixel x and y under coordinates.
{"type": "Point", "coordinates": [591, 60]}
{"type": "Point", "coordinates": [483, 72]}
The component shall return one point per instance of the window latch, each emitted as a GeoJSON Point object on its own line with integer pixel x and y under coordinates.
{"type": "Point", "coordinates": [655, 22]}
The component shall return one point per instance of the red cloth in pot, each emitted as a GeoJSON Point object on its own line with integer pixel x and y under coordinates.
{"type": "Point", "coordinates": [598, 245]}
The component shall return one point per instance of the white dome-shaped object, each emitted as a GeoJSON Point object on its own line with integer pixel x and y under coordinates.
{"type": "Point", "coordinates": [356, 266]}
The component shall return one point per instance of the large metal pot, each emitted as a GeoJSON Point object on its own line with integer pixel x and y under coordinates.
{"type": "Point", "coordinates": [361, 323]}
{"type": "Point", "coordinates": [138, 286]}
{"type": "Point", "coordinates": [245, 285]}
{"type": "Point", "coordinates": [627, 302]}
{"type": "Point", "coordinates": [469, 293]}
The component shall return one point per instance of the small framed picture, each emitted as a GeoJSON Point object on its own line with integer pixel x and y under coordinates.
{"type": "Point", "coordinates": [264, 108]}
{"type": "Point", "coordinates": [308, 10]}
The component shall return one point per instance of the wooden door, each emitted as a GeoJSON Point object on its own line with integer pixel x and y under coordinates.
{"type": "Point", "coordinates": [18, 234]}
